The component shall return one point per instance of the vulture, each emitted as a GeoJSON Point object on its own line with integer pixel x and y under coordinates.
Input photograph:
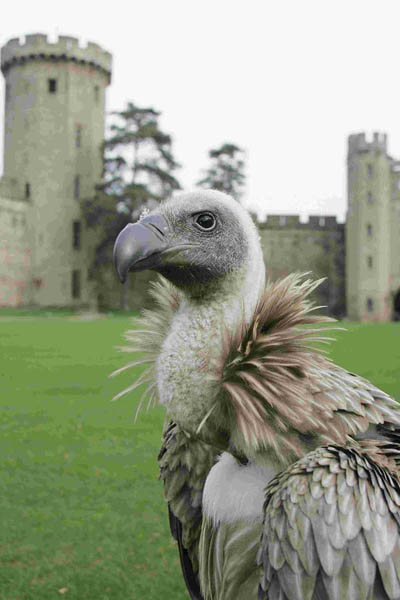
{"type": "Point", "coordinates": [280, 468]}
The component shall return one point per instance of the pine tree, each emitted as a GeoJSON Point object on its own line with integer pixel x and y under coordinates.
{"type": "Point", "coordinates": [138, 173]}
{"type": "Point", "coordinates": [226, 172]}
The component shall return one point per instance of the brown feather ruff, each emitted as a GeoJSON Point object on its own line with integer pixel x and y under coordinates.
{"type": "Point", "coordinates": [286, 394]}
{"type": "Point", "coordinates": [278, 390]}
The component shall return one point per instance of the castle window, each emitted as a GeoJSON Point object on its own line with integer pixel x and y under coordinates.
{"type": "Point", "coordinates": [369, 262]}
{"type": "Point", "coordinates": [369, 230]}
{"type": "Point", "coordinates": [96, 93]}
{"type": "Point", "coordinates": [76, 235]}
{"type": "Point", "coordinates": [369, 198]}
{"type": "Point", "coordinates": [52, 86]}
{"type": "Point", "coordinates": [282, 220]}
{"type": "Point", "coordinates": [27, 190]}
{"type": "Point", "coordinates": [370, 171]}
{"type": "Point", "coordinates": [370, 305]}
{"type": "Point", "coordinates": [76, 187]}
{"type": "Point", "coordinates": [76, 283]}
{"type": "Point", "coordinates": [78, 137]}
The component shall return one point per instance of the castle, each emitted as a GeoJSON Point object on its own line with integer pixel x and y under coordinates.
{"type": "Point", "coordinates": [54, 128]}
{"type": "Point", "coordinates": [53, 131]}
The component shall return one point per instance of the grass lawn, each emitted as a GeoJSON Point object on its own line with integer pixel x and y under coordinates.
{"type": "Point", "coordinates": [82, 512]}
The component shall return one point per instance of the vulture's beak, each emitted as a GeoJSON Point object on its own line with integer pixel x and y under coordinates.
{"type": "Point", "coordinates": [144, 245]}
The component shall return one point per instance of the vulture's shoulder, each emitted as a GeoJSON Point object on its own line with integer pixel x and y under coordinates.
{"type": "Point", "coordinates": [286, 393]}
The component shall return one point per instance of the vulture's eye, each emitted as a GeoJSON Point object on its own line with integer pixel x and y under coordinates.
{"type": "Point", "coordinates": [206, 221]}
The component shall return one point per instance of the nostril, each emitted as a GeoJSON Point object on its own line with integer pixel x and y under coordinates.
{"type": "Point", "coordinates": [155, 227]}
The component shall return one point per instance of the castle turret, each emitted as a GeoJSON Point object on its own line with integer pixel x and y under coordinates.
{"type": "Point", "coordinates": [368, 253]}
{"type": "Point", "coordinates": [54, 128]}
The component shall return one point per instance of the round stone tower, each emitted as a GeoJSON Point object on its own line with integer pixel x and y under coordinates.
{"type": "Point", "coordinates": [368, 229]}
{"type": "Point", "coordinates": [53, 131]}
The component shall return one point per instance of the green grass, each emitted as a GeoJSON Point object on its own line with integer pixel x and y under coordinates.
{"type": "Point", "coordinates": [82, 511]}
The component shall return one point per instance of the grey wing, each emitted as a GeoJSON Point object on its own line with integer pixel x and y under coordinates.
{"type": "Point", "coordinates": [331, 530]}
{"type": "Point", "coordinates": [184, 466]}
{"type": "Point", "coordinates": [346, 403]}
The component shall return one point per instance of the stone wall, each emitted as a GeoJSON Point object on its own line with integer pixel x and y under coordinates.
{"type": "Point", "coordinates": [15, 253]}
{"type": "Point", "coordinates": [317, 246]}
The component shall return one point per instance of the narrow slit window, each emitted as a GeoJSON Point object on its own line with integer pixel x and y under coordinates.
{"type": "Point", "coordinates": [370, 171]}
{"type": "Point", "coordinates": [369, 230]}
{"type": "Point", "coordinates": [78, 138]}
{"type": "Point", "coordinates": [369, 198]}
{"type": "Point", "coordinates": [369, 262]}
{"type": "Point", "coordinates": [370, 305]}
{"type": "Point", "coordinates": [76, 283]}
{"type": "Point", "coordinates": [96, 93]}
{"type": "Point", "coordinates": [77, 186]}
{"type": "Point", "coordinates": [76, 235]}
{"type": "Point", "coordinates": [52, 86]}
{"type": "Point", "coordinates": [27, 190]}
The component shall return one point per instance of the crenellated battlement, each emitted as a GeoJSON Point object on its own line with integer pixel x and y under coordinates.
{"type": "Point", "coordinates": [37, 47]}
{"type": "Point", "coordinates": [359, 142]}
{"type": "Point", "coordinates": [293, 222]}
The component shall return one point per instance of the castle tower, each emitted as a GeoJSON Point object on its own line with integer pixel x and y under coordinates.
{"type": "Point", "coordinates": [54, 128]}
{"type": "Point", "coordinates": [368, 229]}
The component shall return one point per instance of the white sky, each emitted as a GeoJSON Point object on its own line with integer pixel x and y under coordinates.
{"type": "Point", "coordinates": [287, 80]}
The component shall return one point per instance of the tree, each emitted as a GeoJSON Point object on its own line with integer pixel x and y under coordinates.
{"type": "Point", "coordinates": [226, 172]}
{"type": "Point", "coordinates": [137, 174]}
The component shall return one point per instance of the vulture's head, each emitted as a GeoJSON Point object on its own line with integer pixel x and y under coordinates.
{"type": "Point", "coordinates": [200, 241]}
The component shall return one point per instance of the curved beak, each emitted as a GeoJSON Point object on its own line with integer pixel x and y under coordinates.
{"type": "Point", "coordinates": [143, 245]}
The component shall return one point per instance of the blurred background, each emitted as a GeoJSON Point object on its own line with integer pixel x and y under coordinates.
{"type": "Point", "coordinates": [258, 99]}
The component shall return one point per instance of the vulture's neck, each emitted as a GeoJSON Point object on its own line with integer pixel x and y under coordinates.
{"type": "Point", "coordinates": [186, 365]}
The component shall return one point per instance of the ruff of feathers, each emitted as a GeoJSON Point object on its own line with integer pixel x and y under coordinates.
{"type": "Point", "coordinates": [277, 388]}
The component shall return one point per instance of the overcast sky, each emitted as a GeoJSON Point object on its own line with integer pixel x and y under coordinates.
{"type": "Point", "coordinates": [286, 80]}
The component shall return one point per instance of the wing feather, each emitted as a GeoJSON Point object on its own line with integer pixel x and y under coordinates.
{"type": "Point", "coordinates": [228, 560]}
{"type": "Point", "coordinates": [317, 543]}
{"type": "Point", "coordinates": [184, 466]}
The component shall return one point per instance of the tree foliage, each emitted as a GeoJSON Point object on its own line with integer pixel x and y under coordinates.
{"type": "Point", "coordinates": [138, 172]}
{"type": "Point", "coordinates": [226, 172]}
